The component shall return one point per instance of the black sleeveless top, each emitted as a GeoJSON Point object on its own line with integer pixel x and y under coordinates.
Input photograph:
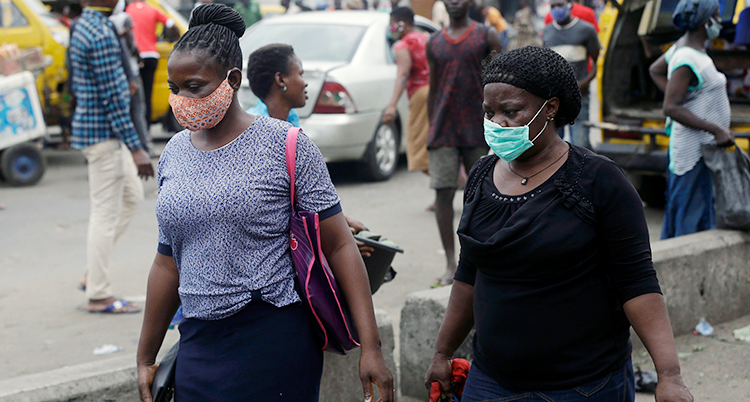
{"type": "Point", "coordinates": [457, 116]}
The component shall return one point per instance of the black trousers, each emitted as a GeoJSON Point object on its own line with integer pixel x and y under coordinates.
{"type": "Point", "coordinates": [147, 75]}
{"type": "Point", "coordinates": [262, 354]}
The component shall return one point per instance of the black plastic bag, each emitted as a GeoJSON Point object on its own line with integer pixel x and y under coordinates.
{"type": "Point", "coordinates": [730, 169]}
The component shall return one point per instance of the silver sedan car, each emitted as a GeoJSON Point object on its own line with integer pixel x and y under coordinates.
{"type": "Point", "coordinates": [350, 70]}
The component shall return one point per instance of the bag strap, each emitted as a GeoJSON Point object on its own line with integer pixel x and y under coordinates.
{"type": "Point", "coordinates": [291, 158]}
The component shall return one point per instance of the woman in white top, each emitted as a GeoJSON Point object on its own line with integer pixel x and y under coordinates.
{"type": "Point", "coordinates": [697, 107]}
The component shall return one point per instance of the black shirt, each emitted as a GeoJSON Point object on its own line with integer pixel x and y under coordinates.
{"type": "Point", "coordinates": [551, 270]}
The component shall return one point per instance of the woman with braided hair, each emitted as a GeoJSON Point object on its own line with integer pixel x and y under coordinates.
{"type": "Point", "coordinates": [223, 211]}
{"type": "Point", "coordinates": [555, 259]}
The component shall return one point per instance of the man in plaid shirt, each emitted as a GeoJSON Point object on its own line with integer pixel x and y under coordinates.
{"type": "Point", "coordinates": [104, 132]}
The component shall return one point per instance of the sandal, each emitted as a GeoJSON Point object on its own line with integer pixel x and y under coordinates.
{"type": "Point", "coordinates": [440, 282]}
{"type": "Point", "coordinates": [119, 307]}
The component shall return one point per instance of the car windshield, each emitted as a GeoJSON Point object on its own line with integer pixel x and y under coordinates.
{"type": "Point", "coordinates": [43, 13]}
{"type": "Point", "coordinates": [311, 42]}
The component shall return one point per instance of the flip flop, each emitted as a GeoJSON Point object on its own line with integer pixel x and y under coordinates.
{"type": "Point", "coordinates": [118, 307]}
{"type": "Point", "coordinates": [440, 282]}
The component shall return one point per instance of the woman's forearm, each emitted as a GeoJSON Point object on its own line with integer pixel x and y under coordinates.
{"type": "Point", "coordinates": [398, 88]}
{"type": "Point", "coordinates": [682, 115]}
{"type": "Point", "coordinates": [648, 316]}
{"type": "Point", "coordinates": [458, 320]}
{"type": "Point", "coordinates": [162, 301]}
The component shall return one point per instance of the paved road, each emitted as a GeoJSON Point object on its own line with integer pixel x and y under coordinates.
{"type": "Point", "coordinates": [42, 254]}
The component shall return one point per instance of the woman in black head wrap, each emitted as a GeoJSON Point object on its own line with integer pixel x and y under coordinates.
{"type": "Point", "coordinates": [555, 259]}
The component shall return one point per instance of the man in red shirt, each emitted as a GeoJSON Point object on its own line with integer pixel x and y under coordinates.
{"type": "Point", "coordinates": [145, 17]}
{"type": "Point", "coordinates": [578, 11]}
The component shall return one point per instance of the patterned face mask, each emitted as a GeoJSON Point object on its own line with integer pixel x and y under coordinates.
{"type": "Point", "coordinates": [202, 113]}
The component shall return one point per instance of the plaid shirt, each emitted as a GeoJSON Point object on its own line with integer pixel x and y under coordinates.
{"type": "Point", "coordinates": [99, 84]}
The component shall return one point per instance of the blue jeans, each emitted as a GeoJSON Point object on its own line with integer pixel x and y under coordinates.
{"type": "Point", "coordinates": [618, 386]}
{"type": "Point", "coordinates": [690, 202]}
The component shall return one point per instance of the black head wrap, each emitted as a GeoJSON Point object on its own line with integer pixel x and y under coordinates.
{"type": "Point", "coordinates": [542, 72]}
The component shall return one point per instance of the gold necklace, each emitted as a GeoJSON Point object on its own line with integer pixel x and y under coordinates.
{"type": "Point", "coordinates": [525, 179]}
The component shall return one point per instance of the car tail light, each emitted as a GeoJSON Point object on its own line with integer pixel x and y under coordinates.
{"type": "Point", "coordinates": [334, 99]}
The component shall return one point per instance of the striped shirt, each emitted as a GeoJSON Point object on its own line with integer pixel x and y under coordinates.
{"type": "Point", "coordinates": [99, 84]}
{"type": "Point", "coordinates": [575, 42]}
{"type": "Point", "coordinates": [707, 100]}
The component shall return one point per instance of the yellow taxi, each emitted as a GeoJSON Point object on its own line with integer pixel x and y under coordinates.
{"type": "Point", "coordinates": [633, 34]}
{"type": "Point", "coordinates": [30, 23]}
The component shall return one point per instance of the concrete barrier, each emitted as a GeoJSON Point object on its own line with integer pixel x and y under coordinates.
{"type": "Point", "coordinates": [341, 381]}
{"type": "Point", "coordinates": [420, 321]}
{"type": "Point", "coordinates": [705, 274]}
{"type": "Point", "coordinates": [702, 275]}
{"type": "Point", "coordinates": [115, 379]}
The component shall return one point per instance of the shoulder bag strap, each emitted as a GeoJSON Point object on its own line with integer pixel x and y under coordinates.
{"type": "Point", "coordinates": [291, 159]}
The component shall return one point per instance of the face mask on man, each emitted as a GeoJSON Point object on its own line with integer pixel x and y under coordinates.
{"type": "Point", "coordinates": [510, 142]}
{"type": "Point", "coordinates": [203, 113]}
{"type": "Point", "coordinates": [561, 14]}
{"type": "Point", "coordinates": [714, 29]}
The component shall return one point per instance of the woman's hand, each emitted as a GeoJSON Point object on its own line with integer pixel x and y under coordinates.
{"type": "Point", "coordinates": [356, 226]}
{"type": "Point", "coordinates": [724, 137]}
{"type": "Point", "coordinates": [390, 115]}
{"type": "Point", "coordinates": [373, 369]}
{"type": "Point", "coordinates": [672, 389]}
{"type": "Point", "coordinates": [440, 371]}
{"type": "Point", "coordinates": [146, 374]}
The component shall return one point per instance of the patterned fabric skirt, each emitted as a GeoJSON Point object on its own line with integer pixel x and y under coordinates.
{"type": "Point", "coordinates": [690, 202]}
{"type": "Point", "coordinates": [417, 128]}
{"type": "Point", "coordinates": [263, 353]}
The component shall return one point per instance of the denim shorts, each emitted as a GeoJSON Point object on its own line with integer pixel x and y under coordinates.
{"type": "Point", "coordinates": [618, 386]}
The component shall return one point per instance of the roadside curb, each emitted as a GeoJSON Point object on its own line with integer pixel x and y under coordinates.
{"type": "Point", "coordinates": [96, 381]}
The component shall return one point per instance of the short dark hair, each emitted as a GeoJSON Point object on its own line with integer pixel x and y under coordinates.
{"type": "Point", "coordinates": [216, 29]}
{"type": "Point", "coordinates": [404, 14]}
{"type": "Point", "coordinates": [264, 63]}
{"type": "Point", "coordinates": [542, 72]}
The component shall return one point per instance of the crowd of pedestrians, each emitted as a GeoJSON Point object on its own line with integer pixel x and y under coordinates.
{"type": "Point", "coordinates": [550, 232]}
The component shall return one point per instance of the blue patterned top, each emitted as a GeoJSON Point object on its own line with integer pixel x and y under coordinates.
{"type": "Point", "coordinates": [99, 84]}
{"type": "Point", "coordinates": [224, 216]}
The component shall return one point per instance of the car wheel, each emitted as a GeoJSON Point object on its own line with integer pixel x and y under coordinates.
{"type": "Point", "coordinates": [22, 165]}
{"type": "Point", "coordinates": [381, 157]}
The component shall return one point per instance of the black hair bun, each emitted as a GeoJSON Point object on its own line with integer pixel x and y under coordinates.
{"type": "Point", "coordinates": [219, 14]}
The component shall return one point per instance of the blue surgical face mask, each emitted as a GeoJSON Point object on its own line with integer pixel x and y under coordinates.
{"type": "Point", "coordinates": [714, 29]}
{"type": "Point", "coordinates": [510, 142]}
{"type": "Point", "coordinates": [561, 14]}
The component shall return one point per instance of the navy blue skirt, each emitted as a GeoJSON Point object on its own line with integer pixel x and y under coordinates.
{"type": "Point", "coordinates": [263, 353]}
